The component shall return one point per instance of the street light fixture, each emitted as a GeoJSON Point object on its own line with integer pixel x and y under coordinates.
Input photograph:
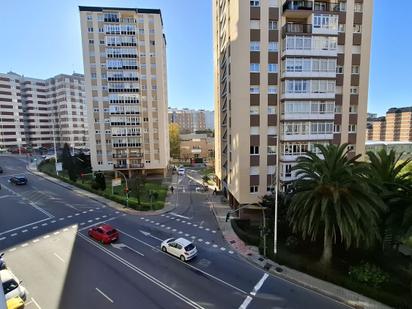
{"type": "Point", "coordinates": [276, 174]}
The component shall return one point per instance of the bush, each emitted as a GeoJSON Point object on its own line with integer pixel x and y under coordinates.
{"type": "Point", "coordinates": [292, 243]}
{"type": "Point", "coordinates": [246, 232]}
{"type": "Point", "coordinates": [368, 274]}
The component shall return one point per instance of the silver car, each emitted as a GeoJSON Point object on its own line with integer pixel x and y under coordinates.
{"type": "Point", "coordinates": [11, 285]}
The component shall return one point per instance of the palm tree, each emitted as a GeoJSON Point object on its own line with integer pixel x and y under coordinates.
{"type": "Point", "coordinates": [332, 196]}
{"type": "Point", "coordinates": [393, 182]}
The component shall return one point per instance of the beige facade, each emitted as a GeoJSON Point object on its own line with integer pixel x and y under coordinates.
{"type": "Point", "coordinates": [30, 107]}
{"type": "Point", "coordinates": [196, 146]}
{"type": "Point", "coordinates": [124, 54]}
{"type": "Point", "coordinates": [288, 75]}
{"type": "Point", "coordinates": [396, 126]}
{"type": "Point", "coordinates": [191, 120]}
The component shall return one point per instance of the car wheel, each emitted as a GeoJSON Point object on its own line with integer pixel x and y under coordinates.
{"type": "Point", "coordinates": [182, 258]}
{"type": "Point", "coordinates": [164, 249]}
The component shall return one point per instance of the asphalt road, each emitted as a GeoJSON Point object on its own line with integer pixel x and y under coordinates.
{"type": "Point", "coordinates": [43, 230]}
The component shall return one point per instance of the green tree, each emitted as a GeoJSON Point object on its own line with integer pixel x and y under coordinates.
{"type": "Point", "coordinates": [205, 179]}
{"type": "Point", "coordinates": [100, 180]}
{"type": "Point", "coordinates": [66, 158]}
{"type": "Point", "coordinates": [331, 197]}
{"type": "Point", "coordinates": [392, 181]}
{"type": "Point", "coordinates": [174, 139]}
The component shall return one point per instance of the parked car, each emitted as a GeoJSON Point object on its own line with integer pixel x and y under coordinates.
{"type": "Point", "coordinates": [181, 248]}
{"type": "Point", "coordinates": [11, 285]}
{"type": "Point", "coordinates": [105, 233]}
{"type": "Point", "coordinates": [18, 180]}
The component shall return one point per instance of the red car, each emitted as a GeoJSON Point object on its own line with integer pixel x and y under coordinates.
{"type": "Point", "coordinates": [105, 233]}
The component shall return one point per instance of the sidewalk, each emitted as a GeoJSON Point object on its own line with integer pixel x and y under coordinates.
{"type": "Point", "coordinates": [169, 202]}
{"type": "Point", "coordinates": [251, 253]}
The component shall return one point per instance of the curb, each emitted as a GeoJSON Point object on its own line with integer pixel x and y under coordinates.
{"type": "Point", "coordinates": [100, 199]}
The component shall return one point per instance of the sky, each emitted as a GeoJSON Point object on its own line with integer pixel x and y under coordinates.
{"type": "Point", "coordinates": [41, 38]}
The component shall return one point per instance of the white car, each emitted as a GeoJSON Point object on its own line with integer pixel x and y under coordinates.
{"type": "Point", "coordinates": [181, 248]}
{"type": "Point", "coordinates": [181, 171]}
{"type": "Point", "coordinates": [11, 285]}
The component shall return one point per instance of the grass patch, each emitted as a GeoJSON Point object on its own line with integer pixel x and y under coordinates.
{"type": "Point", "coordinates": [147, 189]}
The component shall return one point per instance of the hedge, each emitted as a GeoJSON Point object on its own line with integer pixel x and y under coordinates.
{"type": "Point", "coordinates": [245, 231]}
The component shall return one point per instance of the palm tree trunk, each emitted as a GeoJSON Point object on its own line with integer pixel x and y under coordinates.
{"type": "Point", "coordinates": [327, 247]}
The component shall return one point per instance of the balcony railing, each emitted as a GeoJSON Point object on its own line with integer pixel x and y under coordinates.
{"type": "Point", "coordinates": [320, 6]}
{"type": "Point", "coordinates": [120, 165]}
{"type": "Point", "coordinates": [291, 28]}
{"type": "Point", "coordinates": [138, 165]}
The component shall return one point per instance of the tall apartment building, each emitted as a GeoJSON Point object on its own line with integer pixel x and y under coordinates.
{"type": "Point", "coordinates": [31, 107]}
{"type": "Point", "coordinates": [124, 53]}
{"type": "Point", "coordinates": [191, 120]}
{"type": "Point", "coordinates": [396, 126]}
{"type": "Point", "coordinates": [288, 74]}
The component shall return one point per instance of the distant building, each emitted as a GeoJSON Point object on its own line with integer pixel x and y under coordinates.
{"type": "Point", "coordinates": [191, 120]}
{"type": "Point", "coordinates": [372, 115]}
{"type": "Point", "coordinates": [398, 147]}
{"type": "Point", "coordinates": [33, 111]}
{"type": "Point", "coordinates": [196, 146]}
{"type": "Point", "coordinates": [396, 126]}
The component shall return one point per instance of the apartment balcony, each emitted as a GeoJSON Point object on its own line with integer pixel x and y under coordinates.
{"type": "Point", "coordinates": [308, 95]}
{"type": "Point", "coordinates": [308, 74]}
{"type": "Point", "coordinates": [303, 9]}
{"type": "Point", "coordinates": [135, 155]}
{"type": "Point", "coordinates": [310, 52]}
{"type": "Point", "coordinates": [122, 79]}
{"type": "Point", "coordinates": [306, 137]}
{"type": "Point", "coordinates": [136, 165]}
{"type": "Point", "coordinates": [119, 155]}
{"type": "Point", "coordinates": [120, 166]}
{"type": "Point", "coordinates": [292, 28]}
{"type": "Point", "coordinates": [123, 90]}
{"type": "Point", "coordinates": [307, 116]}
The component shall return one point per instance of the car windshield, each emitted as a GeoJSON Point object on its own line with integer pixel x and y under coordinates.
{"type": "Point", "coordinates": [170, 240]}
{"type": "Point", "coordinates": [9, 286]}
{"type": "Point", "coordinates": [111, 232]}
{"type": "Point", "coordinates": [189, 247]}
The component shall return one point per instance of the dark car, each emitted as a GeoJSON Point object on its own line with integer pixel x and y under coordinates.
{"type": "Point", "coordinates": [105, 233]}
{"type": "Point", "coordinates": [18, 180]}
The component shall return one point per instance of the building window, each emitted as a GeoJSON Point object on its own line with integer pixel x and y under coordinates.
{"type": "Point", "coordinates": [272, 89]}
{"type": "Point", "coordinates": [341, 28]}
{"type": "Point", "coordinates": [254, 170]}
{"type": "Point", "coordinates": [254, 110]}
{"type": "Point", "coordinates": [255, 3]}
{"type": "Point", "coordinates": [254, 150]}
{"type": "Point", "coordinates": [339, 69]}
{"type": "Point", "coordinates": [342, 6]}
{"type": "Point", "coordinates": [358, 7]}
{"type": "Point", "coordinates": [272, 68]}
{"type": "Point", "coordinates": [273, 46]}
{"type": "Point", "coordinates": [254, 90]}
{"type": "Point", "coordinates": [254, 67]}
{"type": "Point", "coordinates": [255, 46]}
{"type": "Point", "coordinates": [273, 25]}
{"type": "Point", "coordinates": [355, 69]}
{"type": "Point", "coordinates": [273, 3]}
{"type": "Point", "coordinates": [254, 189]}
{"type": "Point", "coordinates": [357, 28]}
{"type": "Point", "coordinates": [271, 110]}
{"type": "Point", "coordinates": [352, 128]}
{"type": "Point", "coordinates": [254, 130]}
{"type": "Point", "coordinates": [89, 17]}
{"type": "Point", "coordinates": [91, 41]}
{"type": "Point", "coordinates": [336, 128]}
{"type": "Point", "coordinates": [338, 109]}
{"type": "Point", "coordinates": [354, 90]}
{"type": "Point", "coordinates": [255, 24]}
{"type": "Point", "coordinates": [353, 109]}
{"type": "Point", "coordinates": [271, 150]}
{"type": "Point", "coordinates": [90, 29]}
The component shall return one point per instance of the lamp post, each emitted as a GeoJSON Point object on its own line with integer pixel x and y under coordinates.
{"type": "Point", "coordinates": [126, 189]}
{"type": "Point", "coordinates": [55, 149]}
{"type": "Point", "coordinates": [276, 174]}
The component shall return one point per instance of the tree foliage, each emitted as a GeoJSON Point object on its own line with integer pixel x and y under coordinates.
{"type": "Point", "coordinates": [174, 138]}
{"type": "Point", "coordinates": [332, 199]}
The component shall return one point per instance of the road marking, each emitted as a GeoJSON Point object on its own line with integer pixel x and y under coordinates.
{"type": "Point", "coordinates": [200, 227]}
{"type": "Point", "coordinates": [223, 248]}
{"type": "Point", "coordinates": [195, 225]}
{"type": "Point", "coordinates": [207, 229]}
{"type": "Point", "coordinates": [189, 223]}
{"type": "Point", "coordinates": [14, 234]}
{"type": "Point", "coordinates": [150, 235]}
{"type": "Point", "coordinates": [61, 219]}
{"type": "Point", "coordinates": [82, 223]}
{"type": "Point", "coordinates": [231, 252]}
{"type": "Point", "coordinates": [84, 211]}
{"type": "Point", "coordinates": [144, 274]}
{"type": "Point", "coordinates": [104, 295]}
{"type": "Point", "coordinates": [157, 223]}
{"type": "Point", "coordinates": [180, 232]}
{"type": "Point", "coordinates": [180, 216]}
{"type": "Point", "coordinates": [59, 257]}
{"type": "Point", "coordinates": [200, 240]}
{"type": "Point", "coordinates": [245, 302]}
{"type": "Point", "coordinates": [24, 231]}
{"type": "Point", "coordinates": [69, 216]}
{"type": "Point", "coordinates": [44, 224]}
{"type": "Point", "coordinates": [104, 216]}
{"type": "Point", "coordinates": [76, 214]}
{"type": "Point", "coordinates": [207, 243]}
{"type": "Point", "coordinates": [2, 238]}
{"type": "Point", "coordinates": [193, 237]}
{"type": "Point", "coordinates": [187, 235]}
{"type": "Point", "coordinates": [89, 221]}
{"type": "Point", "coordinates": [36, 240]}
{"type": "Point", "coordinates": [214, 246]}
{"type": "Point", "coordinates": [23, 226]}
{"type": "Point", "coordinates": [117, 212]}
{"type": "Point", "coordinates": [259, 284]}
{"type": "Point", "coordinates": [24, 245]}
{"type": "Point", "coordinates": [141, 218]}
{"type": "Point", "coordinates": [4, 196]}
{"type": "Point", "coordinates": [53, 221]}
{"type": "Point", "coordinates": [56, 233]}
{"type": "Point", "coordinates": [98, 218]}
{"type": "Point", "coordinates": [35, 227]}
{"type": "Point", "coordinates": [37, 305]}
{"type": "Point", "coordinates": [65, 230]}
{"type": "Point", "coordinates": [174, 230]}
{"type": "Point", "coordinates": [162, 225]}
{"type": "Point", "coordinates": [46, 236]}
{"type": "Point", "coordinates": [12, 249]}
{"type": "Point", "coordinates": [120, 246]}
{"type": "Point", "coordinates": [213, 231]}
{"type": "Point", "coordinates": [168, 227]}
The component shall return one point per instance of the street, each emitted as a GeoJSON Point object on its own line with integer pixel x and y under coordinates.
{"type": "Point", "coordinates": [43, 232]}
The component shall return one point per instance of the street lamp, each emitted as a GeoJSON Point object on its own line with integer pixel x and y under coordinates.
{"type": "Point", "coordinates": [276, 174]}
{"type": "Point", "coordinates": [126, 189]}
{"type": "Point", "coordinates": [55, 149]}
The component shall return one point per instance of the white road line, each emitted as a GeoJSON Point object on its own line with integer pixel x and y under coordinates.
{"type": "Point", "coordinates": [35, 227]}
{"type": "Point", "coordinates": [44, 224]}
{"type": "Point", "coordinates": [245, 302]}
{"type": "Point", "coordinates": [207, 243]}
{"type": "Point", "coordinates": [23, 226]}
{"type": "Point", "coordinates": [174, 230]}
{"type": "Point", "coordinates": [231, 252]}
{"type": "Point", "coordinates": [53, 221]}
{"type": "Point", "coordinates": [157, 223]}
{"type": "Point", "coordinates": [259, 284]}
{"type": "Point", "coordinates": [24, 245]}
{"type": "Point", "coordinates": [141, 218]}
{"type": "Point", "coordinates": [200, 240]}
{"type": "Point", "coordinates": [213, 231]}
{"type": "Point", "coordinates": [195, 225]}
{"type": "Point", "coordinates": [56, 233]}
{"type": "Point", "coordinates": [46, 236]}
{"type": "Point", "coordinates": [84, 211]}
{"type": "Point", "coordinates": [37, 305]}
{"type": "Point", "coordinates": [105, 296]}
{"type": "Point", "coordinates": [61, 219]}
{"type": "Point", "coordinates": [59, 257]}
{"type": "Point", "coordinates": [214, 246]}
{"type": "Point", "coordinates": [82, 223]}
{"type": "Point", "coordinates": [12, 249]}
{"type": "Point", "coordinates": [35, 240]}
{"type": "Point", "coordinates": [223, 248]}
{"type": "Point", "coordinates": [89, 221]}
{"type": "Point", "coordinates": [188, 223]}
{"type": "Point", "coordinates": [2, 238]}
{"type": "Point", "coordinates": [65, 230]}
{"type": "Point", "coordinates": [98, 218]}
{"type": "Point", "coordinates": [180, 232]}
{"type": "Point", "coordinates": [24, 231]}
{"type": "Point", "coordinates": [187, 235]}
{"type": "Point", "coordinates": [76, 214]}
{"type": "Point", "coordinates": [69, 216]}
{"type": "Point", "coordinates": [180, 216]}
{"type": "Point", "coordinates": [14, 234]}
